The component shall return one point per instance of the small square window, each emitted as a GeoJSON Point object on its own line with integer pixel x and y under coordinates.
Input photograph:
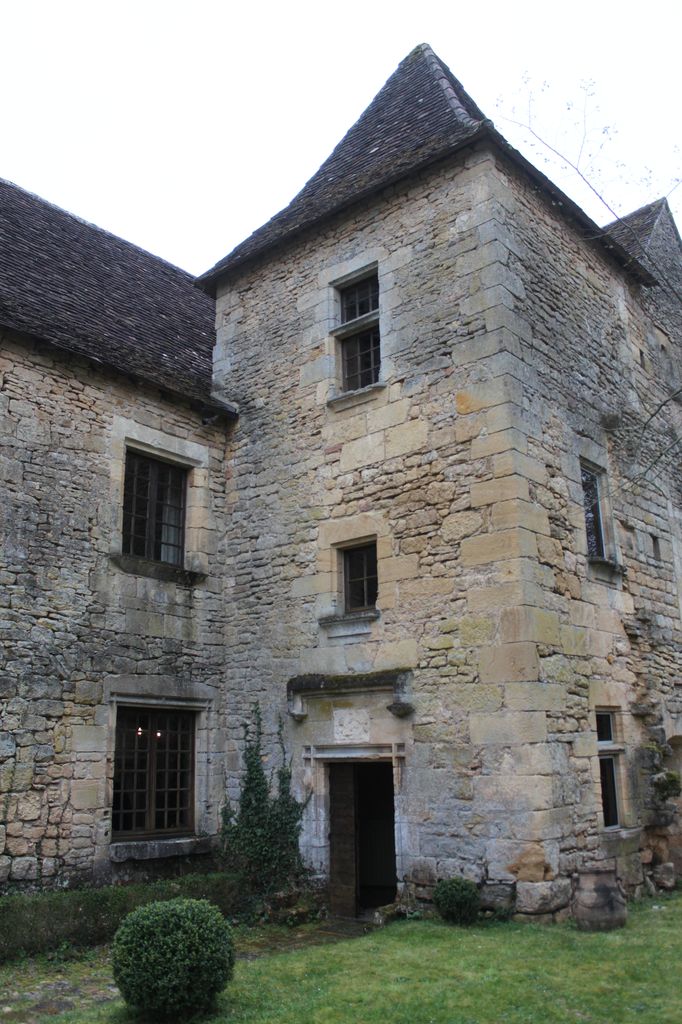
{"type": "Point", "coordinates": [359, 334]}
{"type": "Point", "coordinates": [592, 482]}
{"type": "Point", "coordinates": [153, 772]}
{"type": "Point", "coordinates": [154, 509]}
{"type": "Point", "coordinates": [361, 584]}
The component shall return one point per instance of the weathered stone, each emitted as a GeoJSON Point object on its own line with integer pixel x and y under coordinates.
{"type": "Point", "coordinates": [542, 897]}
{"type": "Point", "coordinates": [665, 876]}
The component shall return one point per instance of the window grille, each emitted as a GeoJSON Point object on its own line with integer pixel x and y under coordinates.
{"type": "Point", "coordinates": [154, 509]}
{"type": "Point", "coordinates": [593, 514]}
{"type": "Point", "coordinates": [360, 577]}
{"type": "Point", "coordinates": [153, 772]}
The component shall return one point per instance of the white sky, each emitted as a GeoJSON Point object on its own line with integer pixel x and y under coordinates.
{"type": "Point", "coordinates": [184, 126]}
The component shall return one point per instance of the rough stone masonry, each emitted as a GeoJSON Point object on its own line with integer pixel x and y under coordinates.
{"type": "Point", "coordinates": [518, 352]}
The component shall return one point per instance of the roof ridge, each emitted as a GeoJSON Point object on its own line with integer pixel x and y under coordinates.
{"type": "Point", "coordinates": [446, 83]}
{"type": "Point", "coordinates": [95, 227]}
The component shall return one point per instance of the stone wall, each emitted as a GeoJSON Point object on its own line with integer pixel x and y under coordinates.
{"type": "Point", "coordinates": [506, 342]}
{"type": "Point", "coordinates": [82, 631]}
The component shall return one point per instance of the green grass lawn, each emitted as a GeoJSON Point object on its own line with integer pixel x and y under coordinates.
{"type": "Point", "coordinates": [424, 971]}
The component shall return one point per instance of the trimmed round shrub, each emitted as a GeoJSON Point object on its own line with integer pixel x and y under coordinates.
{"type": "Point", "coordinates": [173, 958]}
{"type": "Point", "coordinates": [457, 900]}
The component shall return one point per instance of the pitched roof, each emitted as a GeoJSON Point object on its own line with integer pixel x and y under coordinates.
{"type": "Point", "coordinates": [84, 290]}
{"type": "Point", "coordinates": [634, 231]}
{"type": "Point", "coordinates": [420, 115]}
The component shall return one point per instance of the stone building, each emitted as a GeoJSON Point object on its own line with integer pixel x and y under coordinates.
{"type": "Point", "coordinates": [443, 541]}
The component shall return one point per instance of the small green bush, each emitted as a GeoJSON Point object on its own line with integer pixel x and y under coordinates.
{"type": "Point", "coordinates": [457, 900]}
{"type": "Point", "coordinates": [173, 958]}
{"type": "Point", "coordinates": [667, 785]}
{"type": "Point", "coordinates": [42, 921]}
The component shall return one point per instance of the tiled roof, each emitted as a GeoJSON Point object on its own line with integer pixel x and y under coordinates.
{"type": "Point", "coordinates": [81, 289]}
{"type": "Point", "coordinates": [634, 231]}
{"type": "Point", "coordinates": [421, 114]}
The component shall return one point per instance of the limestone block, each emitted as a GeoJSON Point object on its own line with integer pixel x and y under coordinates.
{"type": "Point", "coordinates": [390, 415]}
{"type": "Point", "coordinates": [527, 759]}
{"type": "Point", "coordinates": [574, 640]}
{"type": "Point", "coordinates": [313, 583]}
{"type": "Point", "coordinates": [350, 725]}
{"type": "Point", "coordinates": [503, 595]}
{"type": "Point", "coordinates": [3, 834]}
{"type": "Point", "coordinates": [476, 630]}
{"type": "Point", "coordinates": [409, 437]}
{"type": "Point", "coordinates": [24, 869]}
{"type": "Point", "coordinates": [498, 895]}
{"type": "Point", "coordinates": [501, 441]}
{"type": "Point", "coordinates": [461, 524]}
{"type": "Point", "coordinates": [403, 567]}
{"type": "Point", "coordinates": [400, 654]}
{"type": "Point", "coordinates": [512, 662]}
{"type": "Point", "coordinates": [502, 793]}
{"type": "Point", "coordinates": [28, 807]}
{"type": "Point", "coordinates": [515, 512]}
{"type": "Point", "coordinates": [88, 739]}
{"type": "Point", "coordinates": [493, 491]}
{"type": "Point", "coordinates": [497, 547]}
{"type": "Point", "coordinates": [513, 462]}
{"type": "Point", "coordinates": [85, 795]}
{"type": "Point", "coordinates": [363, 452]}
{"type": "Point", "coordinates": [529, 624]}
{"type": "Point", "coordinates": [467, 427]}
{"type": "Point", "coordinates": [542, 897]}
{"type": "Point", "coordinates": [475, 698]}
{"type": "Point", "coordinates": [664, 876]}
{"type": "Point", "coordinates": [508, 728]}
{"type": "Point", "coordinates": [7, 744]}
{"type": "Point", "coordinates": [5, 865]}
{"type": "Point", "coordinates": [498, 391]}
{"type": "Point", "coordinates": [536, 696]}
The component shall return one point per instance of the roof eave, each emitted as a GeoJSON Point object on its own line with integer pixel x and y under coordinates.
{"type": "Point", "coordinates": [204, 404]}
{"type": "Point", "coordinates": [208, 281]}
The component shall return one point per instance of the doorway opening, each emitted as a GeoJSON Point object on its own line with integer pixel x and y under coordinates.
{"type": "Point", "coordinates": [362, 871]}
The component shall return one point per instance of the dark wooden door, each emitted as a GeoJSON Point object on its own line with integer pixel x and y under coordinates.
{"type": "Point", "coordinates": [343, 883]}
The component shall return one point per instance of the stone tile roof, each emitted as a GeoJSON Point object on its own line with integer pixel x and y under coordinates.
{"type": "Point", "coordinates": [88, 292]}
{"type": "Point", "coordinates": [633, 232]}
{"type": "Point", "coordinates": [421, 114]}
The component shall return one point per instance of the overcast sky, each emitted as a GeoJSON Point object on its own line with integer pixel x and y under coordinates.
{"type": "Point", "coordinates": [184, 126]}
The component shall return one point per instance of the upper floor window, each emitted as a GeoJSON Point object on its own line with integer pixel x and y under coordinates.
{"type": "Point", "coordinates": [592, 502]}
{"type": "Point", "coordinates": [358, 333]}
{"type": "Point", "coordinates": [154, 509]}
{"type": "Point", "coordinates": [361, 582]}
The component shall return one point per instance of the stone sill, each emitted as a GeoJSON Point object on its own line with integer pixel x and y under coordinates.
{"type": "Point", "coordinates": [157, 849]}
{"type": "Point", "coordinates": [349, 618]}
{"type": "Point", "coordinates": [606, 570]}
{"type": "Point", "coordinates": [346, 399]}
{"type": "Point", "coordinates": [163, 571]}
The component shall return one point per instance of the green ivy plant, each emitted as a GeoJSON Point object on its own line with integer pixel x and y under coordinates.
{"type": "Point", "coordinates": [260, 839]}
{"type": "Point", "coordinates": [667, 785]}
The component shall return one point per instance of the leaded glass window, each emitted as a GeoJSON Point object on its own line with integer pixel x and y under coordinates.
{"type": "Point", "coordinates": [154, 509]}
{"type": "Point", "coordinates": [153, 772]}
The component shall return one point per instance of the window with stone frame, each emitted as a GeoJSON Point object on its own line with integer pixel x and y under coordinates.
{"type": "Point", "coordinates": [360, 577]}
{"type": "Point", "coordinates": [154, 500]}
{"type": "Point", "coordinates": [358, 334]}
{"type": "Point", "coordinates": [153, 773]}
{"type": "Point", "coordinates": [609, 752]}
{"type": "Point", "coordinates": [594, 504]}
